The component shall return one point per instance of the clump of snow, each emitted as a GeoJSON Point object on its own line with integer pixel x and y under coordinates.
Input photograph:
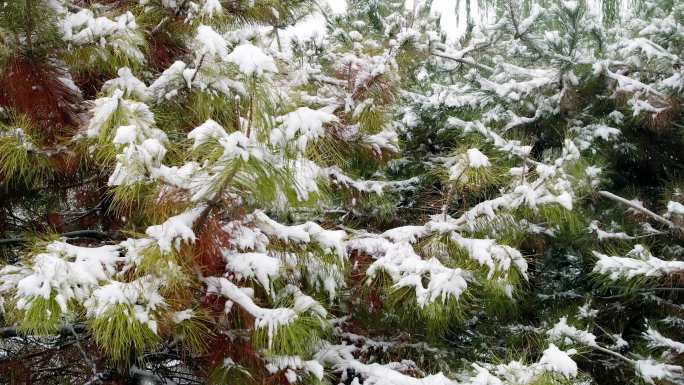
{"type": "Point", "coordinates": [302, 124]}
{"type": "Point", "coordinates": [651, 370]}
{"type": "Point", "coordinates": [293, 364]}
{"type": "Point", "coordinates": [175, 230]}
{"type": "Point", "coordinates": [121, 34]}
{"type": "Point", "coordinates": [65, 271]}
{"type": "Point", "coordinates": [561, 331]}
{"type": "Point", "coordinates": [142, 295]}
{"type": "Point", "coordinates": [141, 146]}
{"type": "Point", "coordinates": [559, 361]}
{"type": "Point", "coordinates": [211, 7]}
{"type": "Point", "coordinates": [507, 146]}
{"type": "Point", "coordinates": [252, 60]}
{"type": "Point", "coordinates": [675, 208]}
{"type": "Point", "coordinates": [341, 357]}
{"type": "Point", "coordinates": [385, 140]}
{"type": "Point", "coordinates": [496, 257]}
{"type": "Point", "coordinates": [603, 235]}
{"type": "Point", "coordinates": [211, 43]}
{"type": "Point", "coordinates": [128, 83]}
{"type": "Point", "coordinates": [586, 312]}
{"type": "Point", "coordinates": [409, 234]}
{"type": "Point", "coordinates": [259, 266]}
{"type": "Point", "coordinates": [638, 262]}
{"type": "Point", "coordinates": [657, 340]}
{"type": "Point", "coordinates": [182, 315]}
{"type": "Point", "coordinates": [477, 159]}
{"type": "Point", "coordinates": [271, 319]}
{"type": "Point", "coordinates": [329, 240]}
{"type": "Point", "coordinates": [167, 84]}
{"type": "Point", "coordinates": [407, 269]}
{"type": "Point", "coordinates": [206, 131]}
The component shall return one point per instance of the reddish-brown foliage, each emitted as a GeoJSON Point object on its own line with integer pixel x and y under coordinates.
{"type": "Point", "coordinates": [211, 242]}
{"type": "Point", "coordinates": [90, 82]}
{"type": "Point", "coordinates": [373, 297]}
{"type": "Point", "coordinates": [163, 50]}
{"type": "Point", "coordinates": [35, 89]}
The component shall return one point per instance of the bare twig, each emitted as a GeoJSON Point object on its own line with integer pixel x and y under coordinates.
{"type": "Point", "coordinates": [95, 234]}
{"type": "Point", "coordinates": [65, 330]}
{"type": "Point", "coordinates": [642, 209]}
{"type": "Point", "coordinates": [95, 379]}
{"type": "Point", "coordinates": [197, 69]}
{"type": "Point", "coordinates": [461, 60]}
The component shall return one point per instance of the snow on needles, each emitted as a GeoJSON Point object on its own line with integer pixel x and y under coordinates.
{"type": "Point", "coordinates": [174, 230]}
{"type": "Point", "coordinates": [211, 43]}
{"type": "Point", "coordinates": [252, 60]}
{"type": "Point", "coordinates": [302, 124]}
{"type": "Point", "coordinates": [638, 262]}
{"type": "Point", "coordinates": [65, 271]}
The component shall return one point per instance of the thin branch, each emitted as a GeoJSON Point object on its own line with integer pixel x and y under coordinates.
{"type": "Point", "coordinates": [213, 203]}
{"type": "Point", "coordinates": [469, 62]}
{"type": "Point", "coordinates": [95, 379]}
{"type": "Point", "coordinates": [95, 234]}
{"type": "Point", "coordinates": [160, 25]}
{"type": "Point", "coordinates": [197, 69]}
{"type": "Point", "coordinates": [644, 210]}
{"type": "Point", "coordinates": [323, 12]}
{"type": "Point", "coordinates": [65, 330]}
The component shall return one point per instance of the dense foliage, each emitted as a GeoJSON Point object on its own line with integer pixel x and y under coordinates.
{"type": "Point", "coordinates": [190, 195]}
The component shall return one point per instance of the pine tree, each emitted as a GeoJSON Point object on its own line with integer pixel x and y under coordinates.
{"type": "Point", "coordinates": [189, 197]}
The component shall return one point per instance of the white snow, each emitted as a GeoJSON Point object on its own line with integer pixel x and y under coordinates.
{"type": "Point", "coordinates": [211, 7]}
{"type": "Point", "coordinates": [211, 43]}
{"type": "Point", "coordinates": [407, 269]}
{"type": "Point", "coordinates": [259, 266]}
{"type": "Point", "coordinates": [128, 83]}
{"type": "Point", "coordinates": [121, 34]}
{"type": "Point", "coordinates": [125, 135]}
{"type": "Point", "coordinates": [385, 140]}
{"type": "Point", "coordinates": [561, 331]}
{"type": "Point", "coordinates": [206, 131]}
{"type": "Point", "coordinates": [302, 124]}
{"type": "Point", "coordinates": [559, 361]}
{"type": "Point", "coordinates": [175, 230]}
{"type": "Point", "coordinates": [167, 84]}
{"type": "Point", "coordinates": [674, 208]}
{"type": "Point", "coordinates": [252, 60]}
{"type": "Point", "coordinates": [329, 240]}
{"type": "Point", "coordinates": [656, 340]}
{"type": "Point", "coordinates": [141, 295]}
{"type": "Point", "coordinates": [272, 319]}
{"type": "Point", "coordinates": [477, 159]}
{"type": "Point", "coordinates": [651, 370]}
{"type": "Point", "coordinates": [182, 315]}
{"type": "Point", "coordinates": [638, 262]}
{"type": "Point", "coordinates": [603, 235]}
{"type": "Point", "coordinates": [65, 271]}
{"type": "Point", "coordinates": [496, 257]}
